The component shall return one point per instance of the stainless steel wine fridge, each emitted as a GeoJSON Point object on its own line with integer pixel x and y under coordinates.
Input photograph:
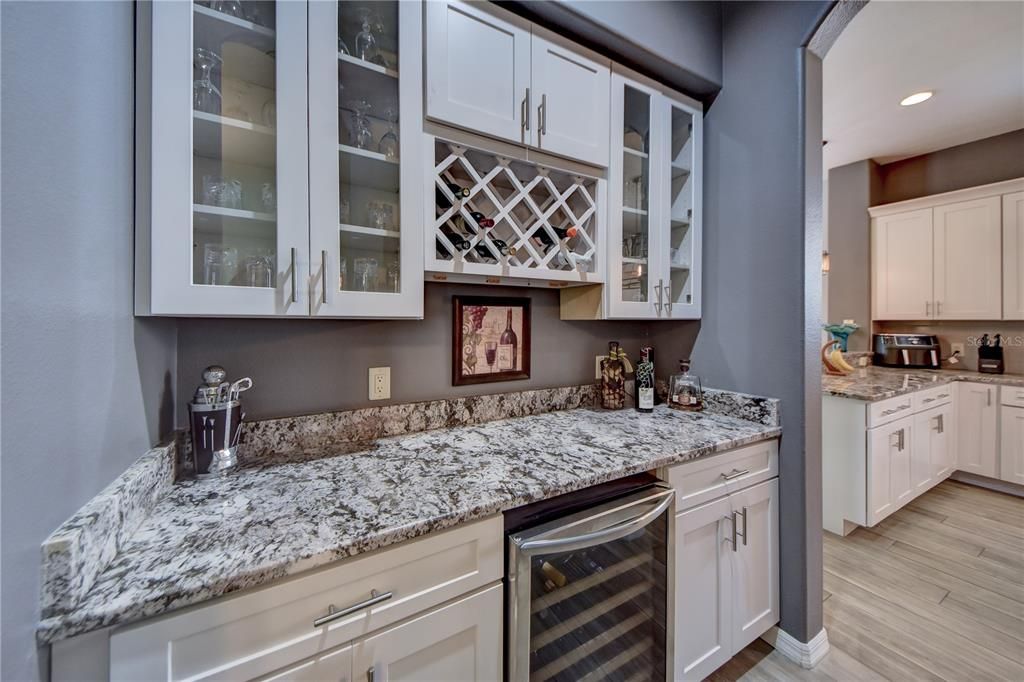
{"type": "Point", "coordinates": [589, 585]}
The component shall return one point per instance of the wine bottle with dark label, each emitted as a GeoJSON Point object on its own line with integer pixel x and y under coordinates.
{"type": "Point", "coordinates": [644, 382]}
{"type": "Point", "coordinates": [457, 240]}
{"type": "Point", "coordinates": [483, 252]}
{"type": "Point", "coordinates": [482, 220]}
{"type": "Point", "coordinates": [442, 200]}
{"type": "Point", "coordinates": [563, 234]}
{"type": "Point", "coordinates": [508, 347]}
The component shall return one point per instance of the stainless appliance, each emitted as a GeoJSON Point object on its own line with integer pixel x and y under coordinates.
{"type": "Point", "coordinates": [589, 584]}
{"type": "Point", "coordinates": [907, 350]}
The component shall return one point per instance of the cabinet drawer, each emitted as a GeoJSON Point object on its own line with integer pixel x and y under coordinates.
{"type": "Point", "coordinates": [886, 411]}
{"type": "Point", "coordinates": [263, 630]}
{"type": "Point", "coordinates": [934, 397]}
{"type": "Point", "coordinates": [705, 479]}
{"type": "Point", "coordinates": [1011, 395]}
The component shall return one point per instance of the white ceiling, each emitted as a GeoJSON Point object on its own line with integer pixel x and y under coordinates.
{"type": "Point", "coordinates": [970, 53]}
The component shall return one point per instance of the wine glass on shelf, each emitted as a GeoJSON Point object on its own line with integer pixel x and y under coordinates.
{"type": "Point", "coordinates": [205, 95]}
{"type": "Point", "coordinates": [366, 41]}
{"type": "Point", "coordinates": [388, 145]}
{"type": "Point", "coordinates": [361, 122]}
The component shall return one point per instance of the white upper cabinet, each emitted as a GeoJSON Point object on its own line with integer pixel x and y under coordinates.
{"type": "Point", "coordinates": [490, 72]}
{"type": "Point", "coordinates": [654, 266]}
{"type": "Point", "coordinates": [273, 175]}
{"type": "Point", "coordinates": [1013, 256]}
{"type": "Point", "coordinates": [902, 266]}
{"type": "Point", "coordinates": [570, 93]}
{"type": "Point", "coordinates": [968, 263]}
{"type": "Point", "coordinates": [222, 210]}
{"type": "Point", "coordinates": [365, 159]}
{"type": "Point", "coordinates": [478, 70]}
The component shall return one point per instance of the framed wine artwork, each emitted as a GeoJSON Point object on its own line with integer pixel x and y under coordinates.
{"type": "Point", "coordinates": [490, 339]}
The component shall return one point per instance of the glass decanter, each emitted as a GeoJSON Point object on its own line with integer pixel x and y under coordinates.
{"type": "Point", "coordinates": [684, 389]}
{"type": "Point", "coordinates": [366, 41]}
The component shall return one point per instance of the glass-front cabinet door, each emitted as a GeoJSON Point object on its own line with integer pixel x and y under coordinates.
{"type": "Point", "coordinates": [365, 69]}
{"type": "Point", "coordinates": [632, 176]}
{"type": "Point", "coordinates": [681, 219]}
{"type": "Point", "coordinates": [224, 139]}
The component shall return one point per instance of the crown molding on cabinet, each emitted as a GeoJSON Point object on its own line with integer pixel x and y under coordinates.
{"type": "Point", "coordinates": [932, 200]}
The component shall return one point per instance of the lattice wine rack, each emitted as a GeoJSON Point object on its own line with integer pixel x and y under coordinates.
{"type": "Point", "coordinates": [504, 217]}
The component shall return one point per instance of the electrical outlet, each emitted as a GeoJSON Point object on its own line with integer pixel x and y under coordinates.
{"type": "Point", "coordinates": [380, 383]}
{"type": "Point", "coordinates": [597, 365]}
{"type": "Point", "coordinates": [954, 347]}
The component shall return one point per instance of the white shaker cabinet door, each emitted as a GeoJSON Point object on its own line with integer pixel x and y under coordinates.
{"type": "Point", "coordinates": [478, 70]}
{"type": "Point", "coordinates": [884, 445]}
{"type": "Point", "coordinates": [461, 641]}
{"type": "Point", "coordinates": [1013, 256]}
{"type": "Point", "coordinates": [703, 608]}
{"type": "Point", "coordinates": [756, 562]}
{"type": "Point", "coordinates": [1011, 456]}
{"type": "Point", "coordinates": [570, 94]}
{"type": "Point", "coordinates": [938, 434]}
{"type": "Point", "coordinates": [968, 260]}
{"type": "Point", "coordinates": [976, 406]}
{"type": "Point", "coordinates": [333, 666]}
{"type": "Point", "coordinates": [901, 266]}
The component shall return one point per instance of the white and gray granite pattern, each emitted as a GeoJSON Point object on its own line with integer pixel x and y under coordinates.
{"type": "Point", "coordinates": [290, 514]}
{"type": "Point", "coordinates": [266, 438]}
{"type": "Point", "coordinates": [75, 554]}
{"type": "Point", "coordinates": [875, 383]}
{"type": "Point", "coordinates": [753, 408]}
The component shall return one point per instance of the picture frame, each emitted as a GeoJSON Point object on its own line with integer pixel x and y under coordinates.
{"type": "Point", "coordinates": [483, 351]}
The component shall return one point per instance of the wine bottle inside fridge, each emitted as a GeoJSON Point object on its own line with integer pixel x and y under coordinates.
{"type": "Point", "coordinates": [508, 346]}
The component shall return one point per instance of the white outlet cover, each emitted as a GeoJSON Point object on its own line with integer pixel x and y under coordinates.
{"type": "Point", "coordinates": [597, 365]}
{"type": "Point", "coordinates": [380, 383]}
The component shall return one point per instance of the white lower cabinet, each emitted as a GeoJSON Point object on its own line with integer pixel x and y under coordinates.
{"type": "Point", "coordinates": [1011, 445]}
{"type": "Point", "coordinates": [889, 468]}
{"type": "Point", "coordinates": [977, 409]}
{"type": "Point", "coordinates": [727, 581]}
{"type": "Point", "coordinates": [934, 450]}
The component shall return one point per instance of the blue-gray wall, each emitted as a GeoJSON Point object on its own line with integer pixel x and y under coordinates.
{"type": "Point", "coordinates": [86, 387]}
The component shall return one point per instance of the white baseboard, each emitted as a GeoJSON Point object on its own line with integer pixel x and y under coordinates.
{"type": "Point", "coordinates": [806, 655]}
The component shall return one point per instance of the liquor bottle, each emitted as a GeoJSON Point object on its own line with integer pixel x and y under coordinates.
{"type": "Point", "coordinates": [644, 381]}
{"type": "Point", "coordinates": [457, 240]}
{"type": "Point", "coordinates": [684, 389]}
{"type": "Point", "coordinates": [443, 201]}
{"type": "Point", "coordinates": [508, 347]}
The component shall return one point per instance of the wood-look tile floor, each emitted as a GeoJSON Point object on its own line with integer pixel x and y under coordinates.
{"type": "Point", "coordinates": [934, 592]}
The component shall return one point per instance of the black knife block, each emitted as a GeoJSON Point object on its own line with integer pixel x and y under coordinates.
{"type": "Point", "coordinates": [990, 359]}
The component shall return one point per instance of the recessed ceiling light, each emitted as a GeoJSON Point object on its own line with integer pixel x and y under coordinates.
{"type": "Point", "coordinates": [916, 98]}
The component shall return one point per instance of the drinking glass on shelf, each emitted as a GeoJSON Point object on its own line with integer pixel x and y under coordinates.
{"type": "Point", "coordinates": [259, 268]}
{"type": "Point", "coordinates": [219, 264]}
{"type": "Point", "coordinates": [366, 41]}
{"type": "Point", "coordinates": [223, 192]}
{"type": "Point", "coordinates": [343, 47]}
{"type": "Point", "coordinates": [205, 95]}
{"type": "Point", "coordinates": [268, 197]}
{"type": "Point", "coordinates": [232, 8]}
{"type": "Point", "coordinates": [361, 122]}
{"type": "Point", "coordinates": [365, 270]}
{"type": "Point", "coordinates": [388, 145]}
{"type": "Point", "coordinates": [393, 273]}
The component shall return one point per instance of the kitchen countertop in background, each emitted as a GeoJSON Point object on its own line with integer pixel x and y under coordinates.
{"type": "Point", "coordinates": [295, 511]}
{"type": "Point", "coordinates": [878, 383]}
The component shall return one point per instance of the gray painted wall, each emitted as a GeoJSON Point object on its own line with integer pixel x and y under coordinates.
{"type": "Point", "coordinates": [967, 165]}
{"type": "Point", "coordinates": [752, 335]}
{"type": "Point", "coordinates": [305, 366]}
{"type": "Point", "coordinates": [86, 387]}
{"type": "Point", "coordinates": [852, 189]}
{"type": "Point", "coordinates": [677, 42]}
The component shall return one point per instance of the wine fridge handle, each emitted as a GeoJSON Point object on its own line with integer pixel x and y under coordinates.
{"type": "Point", "coordinates": [613, 532]}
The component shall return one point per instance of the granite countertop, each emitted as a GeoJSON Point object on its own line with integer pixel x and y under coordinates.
{"type": "Point", "coordinates": [874, 383]}
{"type": "Point", "coordinates": [290, 513]}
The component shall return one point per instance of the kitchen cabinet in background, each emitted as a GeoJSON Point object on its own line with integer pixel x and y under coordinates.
{"type": "Point", "coordinates": [1013, 256]}
{"type": "Point", "coordinates": [902, 266]}
{"type": "Point", "coordinates": [1011, 432]}
{"type": "Point", "coordinates": [977, 409]}
{"type": "Point", "coordinates": [968, 260]}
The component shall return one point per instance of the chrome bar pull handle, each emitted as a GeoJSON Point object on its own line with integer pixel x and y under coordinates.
{"type": "Point", "coordinates": [542, 115]}
{"type": "Point", "coordinates": [938, 307]}
{"type": "Point", "coordinates": [988, 402]}
{"type": "Point", "coordinates": [295, 275]}
{"type": "Point", "coordinates": [658, 289]}
{"type": "Point", "coordinates": [744, 533]}
{"type": "Point", "coordinates": [323, 270]}
{"type": "Point", "coordinates": [942, 423]}
{"type": "Point", "coordinates": [927, 308]}
{"type": "Point", "coordinates": [524, 111]}
{"type": "Point", "coordinates": [369, 674]}
{"type": "Point", "coordinates": [735, 473]}
{"type": "Point", "coordinates": [732, 519]}
{"type": "Point", "coordinates": [334, 614]}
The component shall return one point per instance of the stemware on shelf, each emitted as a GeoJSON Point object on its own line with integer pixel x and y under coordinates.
{"type": "Point", "coordinates": [366, 41]}
{"type": "Point", "coordinates": [219, 264]}
{"type": "Point", "coordinates": [268, 197]}
{"type": "Point", "coordinates": [365, 270]}
{"type": "Point", "coordinates": [259, 268]}
{"type": "Point", "coordinates": [361, 122]}
{"type": "Point", "coordinates": [388, 145]}
{"type": "Point", "coordinates": [205, 95]}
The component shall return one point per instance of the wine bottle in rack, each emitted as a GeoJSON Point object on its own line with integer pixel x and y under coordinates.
{"type": "Point", "coordinates": [483, 252]}
{"type": "Point", "coordinates": [482, 220]}
{"type": "Point", "coordinates": [457, 240]}
{"type": "Point", "coordinates": [508, 346]}
{"type": "Point", "coordinates": [502, 247]}
{"type": "Point", "coordinates": [572, 259]}
{"type": "Point", "coordinates": [442, 200]}
{"type": "Point", "coordinates": [563, 233]}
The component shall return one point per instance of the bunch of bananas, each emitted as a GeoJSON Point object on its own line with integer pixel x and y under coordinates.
{"type": "Point", "coordinates": [833, 359]}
